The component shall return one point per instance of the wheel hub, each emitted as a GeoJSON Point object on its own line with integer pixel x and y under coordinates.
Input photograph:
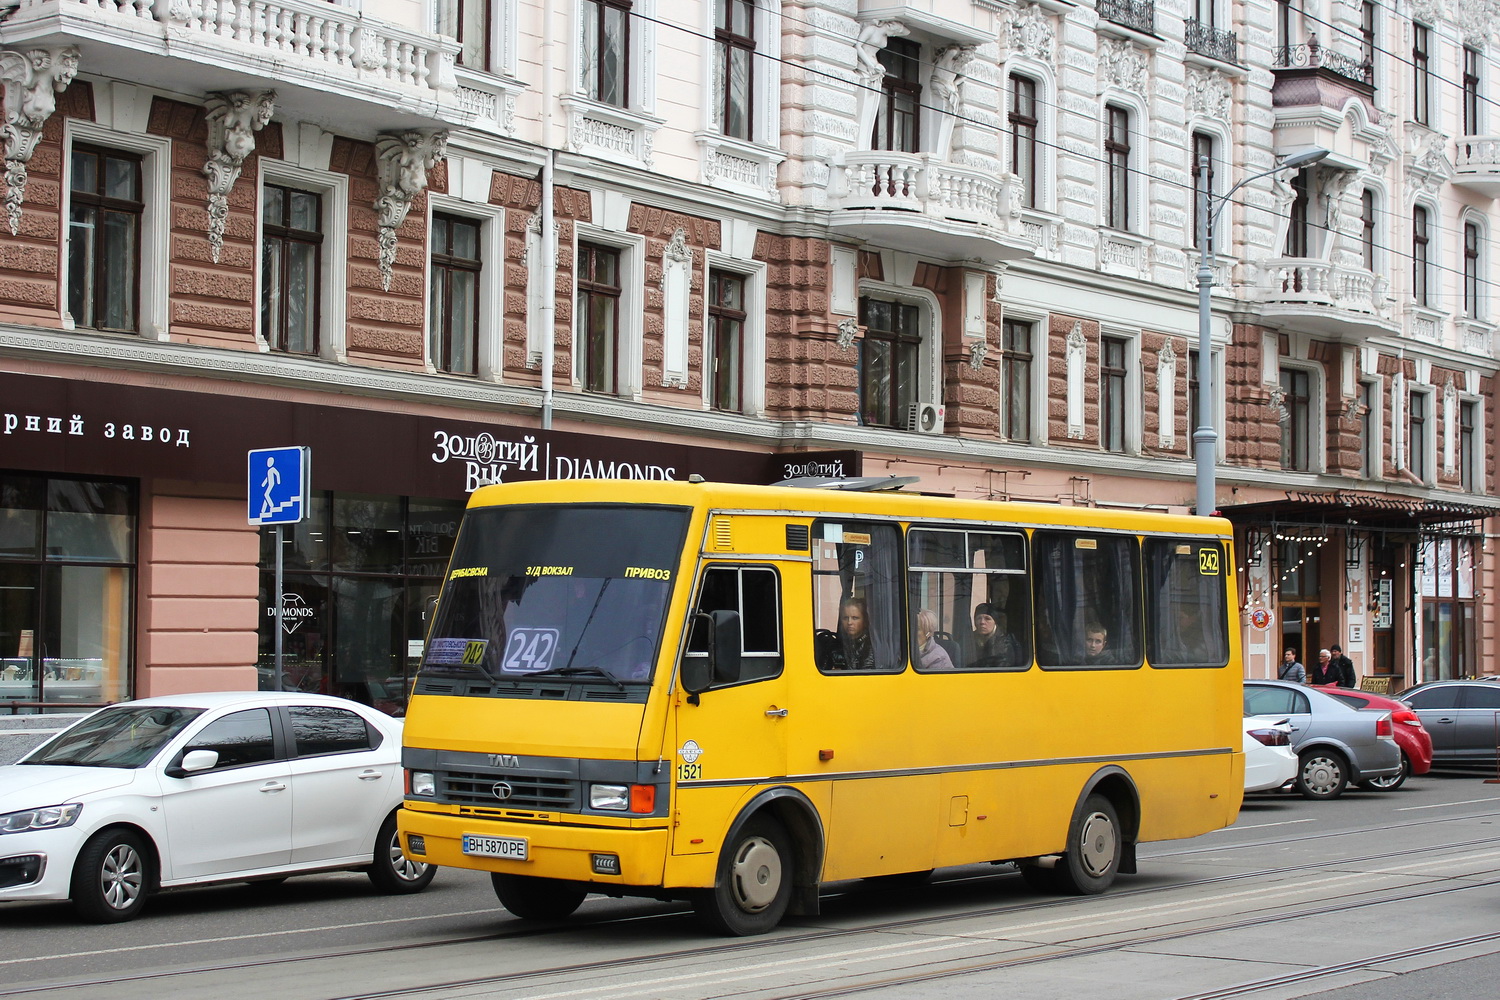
{"type": "Point", "coordinates": [757, 874]}
{"type": "Point", "coordinates": [1096, 845]}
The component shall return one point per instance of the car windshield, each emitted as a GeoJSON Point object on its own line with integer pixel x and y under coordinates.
{"type": "Point", "coordinates": [125, 736]}
{"type": "Point", "coordinates": [566, 597]}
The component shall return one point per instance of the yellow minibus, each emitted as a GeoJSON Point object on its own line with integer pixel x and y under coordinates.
{"type": "Point", "coordinates": [735, 694]}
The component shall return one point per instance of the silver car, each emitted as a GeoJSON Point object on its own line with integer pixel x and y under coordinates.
{"type": "Point", "coordinates": [1335, 744]}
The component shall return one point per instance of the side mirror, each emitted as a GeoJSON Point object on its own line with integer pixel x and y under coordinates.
{"type": "Point", "coordinates": [722, 664]}
{"type": "Point", "coordinates": [199, 760]}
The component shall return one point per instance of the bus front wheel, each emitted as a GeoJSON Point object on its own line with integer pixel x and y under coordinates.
{"type": "Point", "coordinates": [1092, 860]}
{"type": "Point", "coordinates": [753, 885]}
{"type": "Point", "coordinates": [532, 898]}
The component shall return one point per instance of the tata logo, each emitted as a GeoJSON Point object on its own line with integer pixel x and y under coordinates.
{"type": "Point", "coordinates": [504, 760]}
{"type": "Point", "coordinates": [502, 790]}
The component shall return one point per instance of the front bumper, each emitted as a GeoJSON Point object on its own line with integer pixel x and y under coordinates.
{"type": "Point", "coordinates": [554, 850]}
{"type": "Point", "coordinates": [57, 849]}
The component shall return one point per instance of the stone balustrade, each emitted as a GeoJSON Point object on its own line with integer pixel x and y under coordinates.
{"type": "Point", "coordinates": [924, 184]}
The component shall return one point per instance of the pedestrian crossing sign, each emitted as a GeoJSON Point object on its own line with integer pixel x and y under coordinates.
{"type": "Point", "coordinates": [278, 482]}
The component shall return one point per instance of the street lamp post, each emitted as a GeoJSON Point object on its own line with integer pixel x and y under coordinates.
{"type": "Point", "coordinates": [1205, 438]}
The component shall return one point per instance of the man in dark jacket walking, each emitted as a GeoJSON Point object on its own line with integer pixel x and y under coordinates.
{"type": "Point", "coordinates": [1343, 666]}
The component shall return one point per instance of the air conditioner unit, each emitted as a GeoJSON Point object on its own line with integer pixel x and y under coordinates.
{"type": "Point", "coordinates": [925, 418]}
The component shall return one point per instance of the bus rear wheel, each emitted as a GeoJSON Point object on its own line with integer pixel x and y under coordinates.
{"type": "Point", "coordinates": [533, 898]}
{"type": "Point", "coordinates": [1092, 860]}
{"type": "Point", "coordinates": [753, 885]}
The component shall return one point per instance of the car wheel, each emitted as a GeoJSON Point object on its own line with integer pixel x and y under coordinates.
{"type": "Point", "coordinates": [391, 871]}
{"type": "Point", "coordinates": [1390, 782]}
{"type": "Point", "coordinates": [753, 885]}
{"type": "Point", "coordinates": [532, 898]}
{"type": "Point", "coordinates": [111, 877]}
{"type": "Point", "coordinates": [1092, 860]}
{"type": "Point", "coordinates": [1321, 774]}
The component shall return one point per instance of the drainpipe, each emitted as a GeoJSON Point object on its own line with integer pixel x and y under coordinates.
{"type": "Point", "coordinates": [549, 237]}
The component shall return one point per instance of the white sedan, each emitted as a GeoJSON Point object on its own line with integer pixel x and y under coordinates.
{"type": "Point", "coordinates": [1270, 761]}
{"type": "Point", "coordinates": [188, 789]}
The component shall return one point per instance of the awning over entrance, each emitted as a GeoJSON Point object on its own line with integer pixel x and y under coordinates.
{"type": "Point", "coordinates": [1364, 511]}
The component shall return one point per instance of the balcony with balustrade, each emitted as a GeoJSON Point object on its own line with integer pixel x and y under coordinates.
{"type": "Point", "coordinates": [1136, 15]}
{"type": "Point", "coordinates": [928, 205]}
{"type": "Point", "coordinates": [1313, 75]}
{"type": "Point", "coordinates": [1316, 296]}
{"type": "Point", "coordinates": [1476, 164]}
{"type": "Point", "coordinates": [329, 64]}
{"type": "Point", "coordinates": [1211, 43]}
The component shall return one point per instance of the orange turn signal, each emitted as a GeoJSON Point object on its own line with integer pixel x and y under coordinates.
{"type": "Point", "coordinates": [642, 798]}
{"type": "Point", "coordinates": [825, 755]}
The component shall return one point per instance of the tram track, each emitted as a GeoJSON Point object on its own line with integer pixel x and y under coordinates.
{"type": "Point", "coordinates": [802, 935]}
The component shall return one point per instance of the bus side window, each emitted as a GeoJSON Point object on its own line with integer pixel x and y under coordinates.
{"type": "Point", "coordinates": [1185, 603]}
{"type": "Point", "coordinates": [1087, 597]}
{"type": "Point", "coordinates": [754, 592]}
{"type": "Point", "coordinates": [858, 615]}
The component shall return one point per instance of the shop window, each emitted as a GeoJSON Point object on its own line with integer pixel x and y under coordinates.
{"type": "Point", "coordinates": [359, 576]}
{"type": "Point", "coordinates": [1185, 603]}
{"type": "Point", "coordinates": [67, 582]}
{"type": "Point", "coordinates": [1087, 597]}
{"type": "Point", "coordinates": [970, 606]}
{"type": "Point", "coordinates": [104, 239]}
{"type": "Point", "coordinates": [857, 613]}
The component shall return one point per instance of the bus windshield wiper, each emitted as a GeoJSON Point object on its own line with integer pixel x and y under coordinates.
{"type": "Point", "coordinates": [573, 671]}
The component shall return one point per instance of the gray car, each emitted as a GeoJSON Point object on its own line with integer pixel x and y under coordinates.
{"type": "Point", "coordinates": [1463, 718]}
{"type": "Point", "coordinates": [1335, 744]}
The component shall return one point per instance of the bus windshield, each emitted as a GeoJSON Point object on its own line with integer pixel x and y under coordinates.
{"type": "Point", "coordinates": [554, 598]}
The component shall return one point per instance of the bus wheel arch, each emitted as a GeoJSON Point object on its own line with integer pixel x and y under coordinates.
{"type": "Point", "coordinates": [1112, 785]}
{"type": "Point", "coordinates": [779, 826]}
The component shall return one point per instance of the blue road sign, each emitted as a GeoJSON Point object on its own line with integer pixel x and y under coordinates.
{"type": "Point", "coordinates": [279, 482]}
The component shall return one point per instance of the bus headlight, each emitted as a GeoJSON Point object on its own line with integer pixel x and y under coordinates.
{"type": "Point", "coordinates": [615, 797]}
{"type": "Point", "coordinates": [421, 783]}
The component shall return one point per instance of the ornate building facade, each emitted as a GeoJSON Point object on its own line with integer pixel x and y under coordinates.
{"type": "Point", "coordinates": [449, 243]}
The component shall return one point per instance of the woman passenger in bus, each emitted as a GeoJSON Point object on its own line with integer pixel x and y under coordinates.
{"type": "Point", "coordinates": [994, 646]}
{"type": "Point", "coordinates": [930, 654]}
{"type": "Point", "coordinates": [854, 635]}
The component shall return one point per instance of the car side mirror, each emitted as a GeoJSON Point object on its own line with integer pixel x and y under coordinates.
{"type": "Point", "coordinates": [722, 664]}
{"type": "Point", "coordinates": [194, 761]}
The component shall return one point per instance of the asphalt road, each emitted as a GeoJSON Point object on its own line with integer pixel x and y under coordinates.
{"type": "Point", "coordinates": [1371, 897]}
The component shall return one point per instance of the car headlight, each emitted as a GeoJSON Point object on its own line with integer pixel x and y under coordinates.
{"type": "Point", "coordinates": [45, 818]}
{"type": "Point", "coordinates": [421, 783]}
{"type": "Point", "coordinates": [609, 797]}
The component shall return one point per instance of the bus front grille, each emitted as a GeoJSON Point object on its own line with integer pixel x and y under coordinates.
{"type": "Point", "coordinates": [514, 791]}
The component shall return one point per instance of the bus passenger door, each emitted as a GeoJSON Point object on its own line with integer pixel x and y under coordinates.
{"type": "Point", "coordinates": [734, 738]}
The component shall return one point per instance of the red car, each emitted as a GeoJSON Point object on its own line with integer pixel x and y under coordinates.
{"type": "Point", "coordinates": [1411, 736]}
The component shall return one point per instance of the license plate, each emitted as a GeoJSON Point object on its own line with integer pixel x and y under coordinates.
{"type": "Point", "coordinates": [511, 848]}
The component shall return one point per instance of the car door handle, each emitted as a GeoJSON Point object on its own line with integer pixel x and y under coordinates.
{"type": "Point", "coordinates": [369, 774]}
{"type": "Point", "coordinates": [1444, 720]}
{"type": "Point", "coordinates": [273, 786]}
{"type": "Point", "coordinates": [779, 713]}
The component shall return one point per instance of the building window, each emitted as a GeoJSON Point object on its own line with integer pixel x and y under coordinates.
{"type": "Point", "coordinates": [889, 361]}
{"type": "Point", "coordinates": [1203, 183]}
{"type": "Point", "coordinates": [1296, 431]}
{"type": "Point", "coordinates": [1471, 270]}
{"type": "Point", "coordinates": [1023, 136]}
{"type": "Point", "coordinates": [1288, 17]}
{"type": "Point", "coordinates": [291, 266]}
{"type": "Point", "coordinates": [469, 22]}
{"type": "Point", "coordinates": [1468, 418]}
{"type": "Point", "coordinates": [606, 51]}
{"type": "Point", "coordinates": [898, 126]}
{"type": "Point", "coordinates": [1421, 77]}
{"type": "Point", "coordinates": [67, 589]}
{"type": "Point", "coordinates": [454, 345]}
{"type": "Point", "coordinates": [1194, 401]}
{"type": "Point", "coordinates": [1419, 255]}
{"type": "Point", "coordinates": [726, 340]}
{"type": "Point", "coordinates": [1117, 166]}
{"type": "Point", "coordinates": [598, 316]}
{"type": "Point", "coordinates": [361, 571]}
{"type": "Point", "coordinates": [734, 44]}
{"type": "Point", "coordinates": [1416, 435]}
{"type": "Point", "coordinates": [104, 239]}
{"type": "Point", "coordinates": [1367, 15]}
{"type": "Point", "coordinates": [1472, 116]}
{"type": "Point", "coordinates": [1369, 441]}
{"type": "Point", "coordinates": [1296, 232]}
{"type": "Point", "coordinates": [1112, 371]}
{"type": "Point", "coordinates": [1367, 228]}
{"type": "Point", "coordinates": [1015, 381]}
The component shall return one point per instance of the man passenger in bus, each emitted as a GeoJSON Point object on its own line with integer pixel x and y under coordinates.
{"type": "Point", "coordinates": [994, 646]}
{"type": "Point", "coordinates": [930, 655]}
{"type": "Point", "coordinates": [854, 635]}
{"type": "Point", "coordinates": [1096, 644]}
